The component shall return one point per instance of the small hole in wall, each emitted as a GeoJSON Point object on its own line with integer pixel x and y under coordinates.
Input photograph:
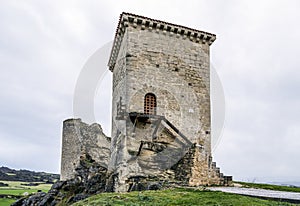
{"type": "Point", "coordinates": [190, 84]}
{"type": "Point", "coordinates": [207, 132]}
{"type": "Point", "coordinates": [139, 21]}
{"type": "Point", "coordinates": [157, 65]}
{"type": "Point", "coordinates": [176, 69]}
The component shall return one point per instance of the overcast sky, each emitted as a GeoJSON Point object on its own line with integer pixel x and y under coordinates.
{"type": "Point", "coordinates": [45, 44]}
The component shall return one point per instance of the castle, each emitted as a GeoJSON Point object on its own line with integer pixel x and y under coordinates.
{"type": "Point", "coordinates": [161, 117]}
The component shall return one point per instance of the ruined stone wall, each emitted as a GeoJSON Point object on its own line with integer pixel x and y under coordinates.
{"type": "Point", "coordinates": [79, 138]}
{"type": "Point", "coordinates": [118, 150]}
{"type": "Point", "coordinates": [201, 172]}
{"type": "Point", "coordinates": [197, 168]}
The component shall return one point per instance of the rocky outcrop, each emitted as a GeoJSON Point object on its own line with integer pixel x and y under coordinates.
{"type": "Point", "coordinates": [90, 178]}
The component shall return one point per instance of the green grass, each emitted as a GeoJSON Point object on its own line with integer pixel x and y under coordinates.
{"type": "Point", "coordinates": [6, 201]}
{"type": "Point", "coordinates": [17, 192]}
{"type": "Point", "coordinates": [175, 197]}
{"type": "Point", "coordinates": [269, 187]}
{"type": "Point", "coordinates": [15, 185]}
{"type": "Point", "coordinates": [16, 188]}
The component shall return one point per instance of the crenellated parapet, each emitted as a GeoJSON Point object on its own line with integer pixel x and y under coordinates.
{"type": "Point", "coordinates": [145, 23]}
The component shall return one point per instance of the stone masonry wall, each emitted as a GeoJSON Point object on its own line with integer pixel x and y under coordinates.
{"type": "Point", "coordinates": [79, 138]}
{"type": "Point", "coordinates": [164, 64]}
{"type": "Point", "coordinates": [196, 169]}
{"type": "Point", "coordinates": [119, 90]}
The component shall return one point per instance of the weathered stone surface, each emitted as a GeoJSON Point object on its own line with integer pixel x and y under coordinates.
{"type": "Point", "coordinates": [79, 137]}
{"type": "Point", "coordinates": [195, 168]}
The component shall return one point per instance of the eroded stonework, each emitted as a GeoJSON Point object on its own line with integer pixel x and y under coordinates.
{"type": "Point", "coordinates": [78, 139]}
{"type": "Point", "coordinates": [171, 141]}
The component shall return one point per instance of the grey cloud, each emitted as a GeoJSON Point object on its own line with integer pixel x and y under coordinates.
{"type": "Point", "coordinates": [44, 45]}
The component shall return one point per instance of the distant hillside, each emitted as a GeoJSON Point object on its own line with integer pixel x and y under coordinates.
{"type": "Point", "coordinates": [7, 174]}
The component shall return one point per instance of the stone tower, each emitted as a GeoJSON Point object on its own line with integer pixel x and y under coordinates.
{"type": "Point", "coordinates": [161, 118]}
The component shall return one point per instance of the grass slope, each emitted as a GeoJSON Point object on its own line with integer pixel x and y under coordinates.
{"type": "Point", "coordinates": [15, 188]}
{"type": "Point", "coordinates": [175, 197]}
{"type": "Point", "coordinates": [6, 201]}
{"type": "Point", "coordinates": [164, 197]}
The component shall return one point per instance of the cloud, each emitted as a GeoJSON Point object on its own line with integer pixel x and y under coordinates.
{"type": "Point", "coordinates": [44, 46]}
{"type": "Point", "coordinates": [261, 82]}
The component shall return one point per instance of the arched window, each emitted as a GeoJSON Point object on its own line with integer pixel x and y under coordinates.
{"type": "Point", "coordinates": [150, 104]}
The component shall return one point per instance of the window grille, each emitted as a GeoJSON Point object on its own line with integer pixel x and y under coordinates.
{"type": "Point", "coordinates": [150, 104]}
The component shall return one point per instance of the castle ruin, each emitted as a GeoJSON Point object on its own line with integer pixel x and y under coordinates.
{"type": "Point", "coordinates": [161, 116]}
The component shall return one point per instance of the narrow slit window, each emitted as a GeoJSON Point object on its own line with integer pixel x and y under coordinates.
{"type": "Point", "coordinates": [150, 104]}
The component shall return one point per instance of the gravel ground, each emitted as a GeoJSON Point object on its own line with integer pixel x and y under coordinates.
{"type": "Point", "coordinates": [259, 192]}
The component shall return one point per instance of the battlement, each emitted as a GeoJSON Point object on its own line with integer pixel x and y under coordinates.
{"type": "Point", "coordinates": [153, 25]}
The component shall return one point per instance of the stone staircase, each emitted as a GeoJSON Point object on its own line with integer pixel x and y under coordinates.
{"type": "Point", "coordinates": [170, 148]}
{"type": "Point", "coordinates": [216, 172]}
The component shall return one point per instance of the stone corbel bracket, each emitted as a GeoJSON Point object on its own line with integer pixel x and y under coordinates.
{"type": "Point", "coordinates": [143, 23]}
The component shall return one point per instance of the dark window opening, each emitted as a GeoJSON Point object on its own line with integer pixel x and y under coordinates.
{"type": "Point", "coordinates": [150, 104]}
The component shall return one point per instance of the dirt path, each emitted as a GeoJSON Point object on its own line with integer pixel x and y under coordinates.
{"type": "Point", "coordinates": [293, 197]}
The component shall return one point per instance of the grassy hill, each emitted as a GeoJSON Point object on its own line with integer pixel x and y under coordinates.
{"type": "Point", "coordinates": [17, 183]}
{"type": "Point", "coordinates": [177, 196]}
{"type": "Point", "coordinates": [17, 189]}
{"type": "Point", "coordinates": [8, 174]}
